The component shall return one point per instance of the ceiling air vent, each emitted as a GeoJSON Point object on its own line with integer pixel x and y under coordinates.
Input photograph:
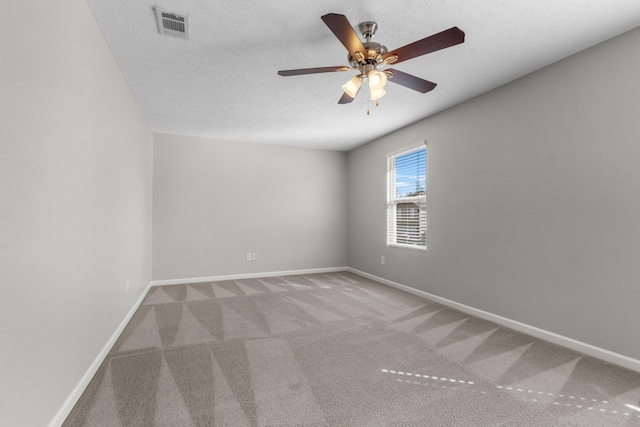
{"type": "Point", "coordinates": [172, 24]}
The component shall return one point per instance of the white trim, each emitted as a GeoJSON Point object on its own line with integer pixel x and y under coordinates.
{"type": "Point", "coordinates": [409, 247]}
{"type": "Point", "coordinates": [588, 349]}
{"type": "Point", "coordinates": [70, 402]}
{"type": "Point", "coordinates": [393, 201]}
{"type": "Point", "coordinates": [411, 147]}
{"type": "Point", "coordinates": [247, 276]}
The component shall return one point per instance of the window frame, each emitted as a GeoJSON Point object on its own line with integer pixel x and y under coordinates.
{"type": "Point", "coordinates": [393, 201]}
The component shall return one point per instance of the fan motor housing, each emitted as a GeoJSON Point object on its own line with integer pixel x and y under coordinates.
{"type": "Point", "coordinates": [373, 55]}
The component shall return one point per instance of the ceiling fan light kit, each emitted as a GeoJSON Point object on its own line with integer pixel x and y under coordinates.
{"type": "Point", "coordinates": [377, 94]}
{"type": "Point", "coordinates": [377, 80]}
{"type": "Point", "coordinates": [369, 58]}
{"type": "Point", "coordinates": [352, 87]}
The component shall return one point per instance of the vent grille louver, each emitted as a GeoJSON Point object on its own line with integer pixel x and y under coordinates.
{"type": "Point", "coordinates": [172, 24]}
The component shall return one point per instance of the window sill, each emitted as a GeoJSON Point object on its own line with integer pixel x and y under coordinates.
{"type": "Point", "coordinates": [408, 247]}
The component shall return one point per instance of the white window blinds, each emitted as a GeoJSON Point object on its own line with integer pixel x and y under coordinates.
{"type": "Point", "coordinates": [407, 198]}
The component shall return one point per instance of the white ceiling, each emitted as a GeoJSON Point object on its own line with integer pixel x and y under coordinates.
{"type": "Point", "coordinates": [222, 83]}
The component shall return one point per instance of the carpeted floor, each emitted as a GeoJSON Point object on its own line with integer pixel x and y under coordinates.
{"type": "Point", "coordinates": [339, 350]}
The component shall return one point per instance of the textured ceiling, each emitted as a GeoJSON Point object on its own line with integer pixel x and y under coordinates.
{"type": "Point", "coordinates": [222, 83]}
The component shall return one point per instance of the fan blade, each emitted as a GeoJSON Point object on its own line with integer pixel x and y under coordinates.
{"type": "Point", "coordinates": [447, 38]}
{"type": "Point", "coordinates": [343, 30]}
{"type": "Point", "coordinates": [411, 81]}
{"type": "Point", "coordinates": [312, 70]}
{"type": "Point", "coordinates": [345, 99]}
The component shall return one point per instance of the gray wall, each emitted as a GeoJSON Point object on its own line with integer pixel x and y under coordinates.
{"type": "Point", "coordinates": [75, 203]}
{"type": "Point", "coordinates": [214, 201]}
{"type": "Point", "coordinates": [533, 200]}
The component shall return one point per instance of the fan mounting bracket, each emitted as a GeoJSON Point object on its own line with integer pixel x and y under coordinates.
{"type": "Point", "coordinates": [368, 29]}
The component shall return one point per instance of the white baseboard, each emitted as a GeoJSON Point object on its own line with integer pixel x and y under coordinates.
{"type": "Point", "coordinates": [247, 276]}
{"type": "Point", "coordinates": [70, 402]}
{"type": "Point", "coordinates": [588, 349]}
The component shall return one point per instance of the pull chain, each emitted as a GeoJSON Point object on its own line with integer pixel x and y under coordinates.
{"type": "Point", "coordinates": [369, 105]}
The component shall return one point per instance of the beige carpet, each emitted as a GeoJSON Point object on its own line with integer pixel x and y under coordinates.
{"type": "Point", "coordinates": [339, 350]}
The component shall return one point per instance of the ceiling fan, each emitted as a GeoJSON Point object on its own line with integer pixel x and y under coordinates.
{"type": "Point", "coordinates": [369, 58]}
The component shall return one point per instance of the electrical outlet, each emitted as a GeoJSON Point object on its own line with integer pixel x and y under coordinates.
{"type": "Point", "coordinates": [382, 260]}
{"type": "Point", "coordinates": [254, 257]}
{"type": "Point", "coordinates": [248, 256]}
{"type": "Point", "coordinates": [128, 283]}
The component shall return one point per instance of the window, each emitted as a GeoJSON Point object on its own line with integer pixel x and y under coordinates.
{"type": "Point", "coordinates": [407, 198]}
